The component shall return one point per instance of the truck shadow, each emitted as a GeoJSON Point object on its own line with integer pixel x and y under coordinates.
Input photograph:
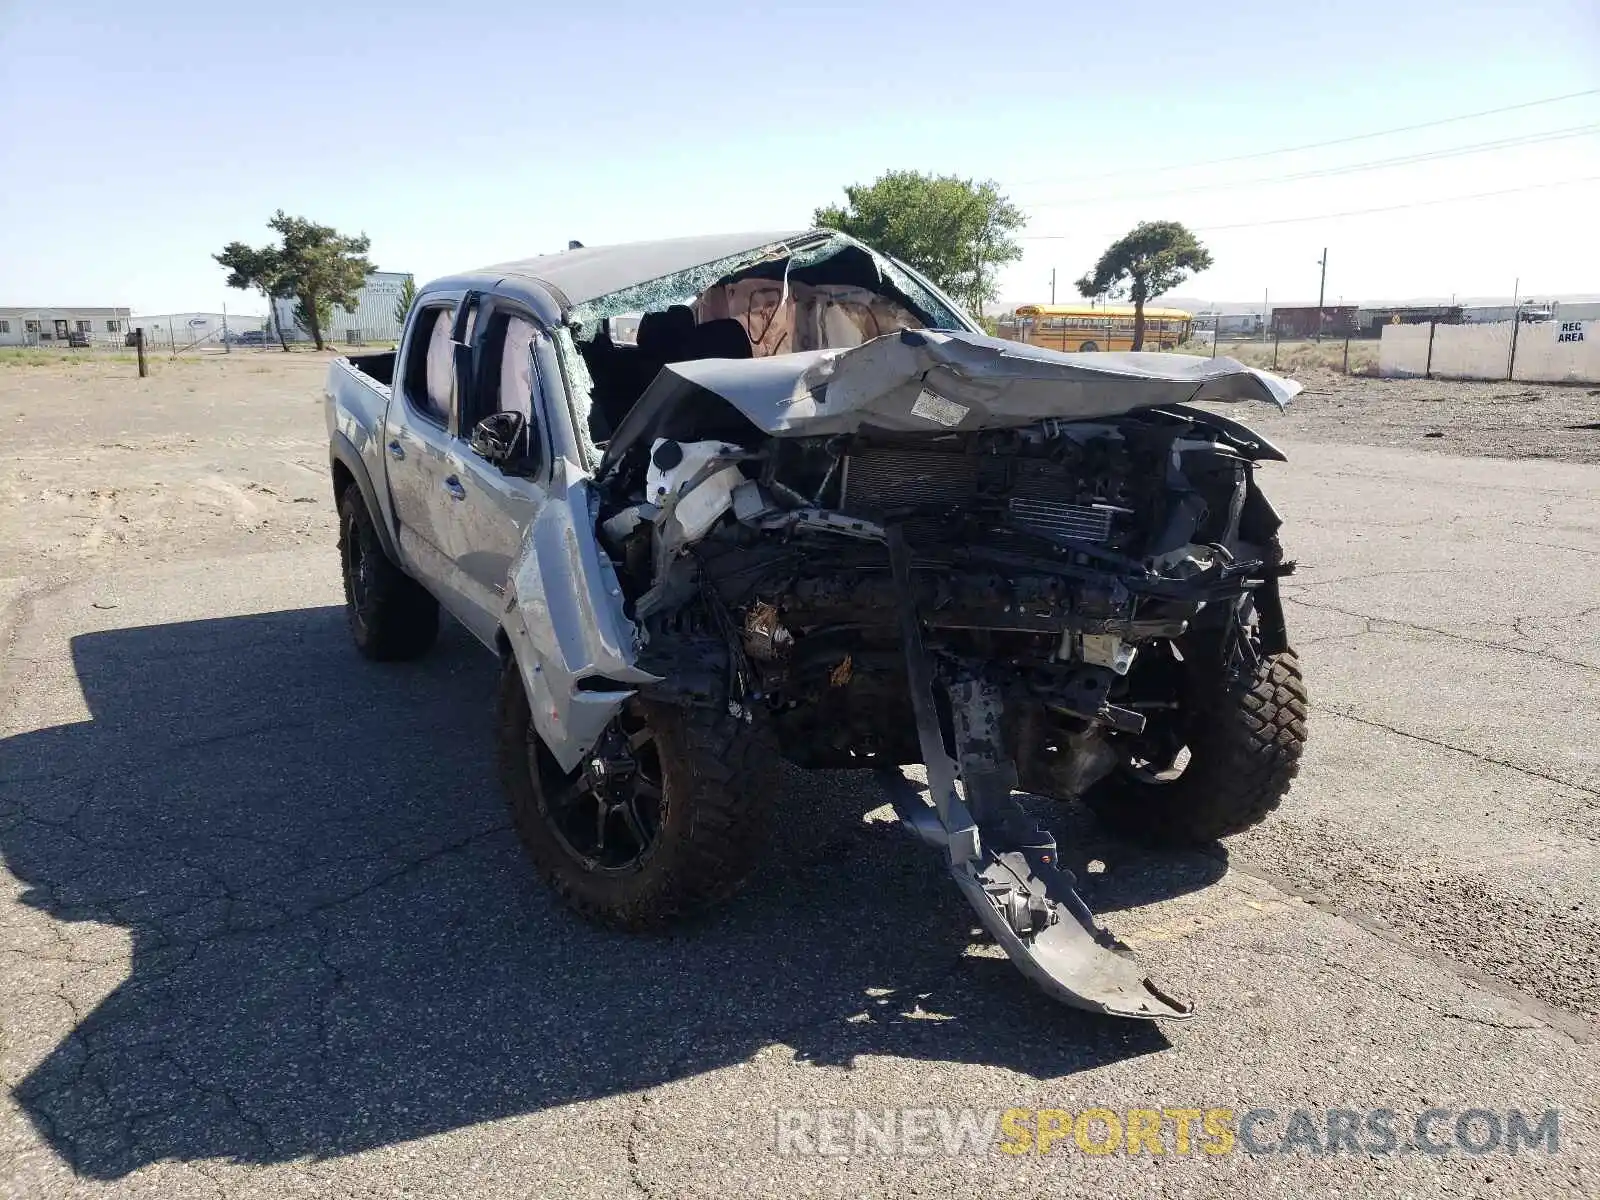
{"type": "Point", "coordinates": [336, 943]}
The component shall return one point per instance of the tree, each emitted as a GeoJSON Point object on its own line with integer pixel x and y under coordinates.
{"type": "Point", "coordinates": [403, 302]}
{"type": "Point", "coordinates": [322, 268]}
{"type": "Point", "coordinates": [316, 264]}
{"type": "Point", "coordinates": [955, 231]}
{"type": "Point", "coordinates": [1155, 258]}
{"type": "Point", "coordinates": [260, 270]}
{"type": "Point", "coordinates": [303, 321]}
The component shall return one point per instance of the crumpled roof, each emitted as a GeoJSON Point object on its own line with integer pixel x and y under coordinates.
{"type": "Point", "coordinates": [578, 276]}
{"type": "Point", "coordinates": [928, 381]}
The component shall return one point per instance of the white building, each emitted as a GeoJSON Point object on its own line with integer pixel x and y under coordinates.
{"type": "Point", "coordinates": [62, 326]}
{"type": "Point", "coordinates": [1576, 310]}
{"type": "Point", "coordinates": [187, 329]}
{"type": "Point", "coordinates": [371, 320]}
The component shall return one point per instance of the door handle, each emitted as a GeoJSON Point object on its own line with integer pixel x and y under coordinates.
{"type": "Point", "coordinates": [453, 486]}
{"type": "Point", "coordinates": [396, 450]}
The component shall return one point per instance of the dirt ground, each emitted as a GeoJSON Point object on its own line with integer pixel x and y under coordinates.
{"type": "Point", "coordinates": [226, 454]}
{"type": "Point", "coordinates": [1492, 420]}
{"type": "Point", "coordinates": [209, 455]}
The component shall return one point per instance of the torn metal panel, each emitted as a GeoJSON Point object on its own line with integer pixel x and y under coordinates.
{"type": "Point", "coordinates": [565, 621]}
{"type": "Point", "coordinates": [924, 381]}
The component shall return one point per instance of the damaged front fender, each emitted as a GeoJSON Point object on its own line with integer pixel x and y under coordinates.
{"type": "Point", "coordinates": [565, 623]}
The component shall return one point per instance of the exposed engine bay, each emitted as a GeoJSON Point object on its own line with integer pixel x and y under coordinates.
{"type": "Point", "coordinates": [1017, 605]}
{"type": "Point", "coordinates": [1045, 558]}
{"type": "Point", "coordinates": [884, 539]}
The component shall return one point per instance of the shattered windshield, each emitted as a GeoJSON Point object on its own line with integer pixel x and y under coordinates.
{"type": "Point", "coordinates": [821, 291]}
{"type": "Point", "coordinates": [687, 287]}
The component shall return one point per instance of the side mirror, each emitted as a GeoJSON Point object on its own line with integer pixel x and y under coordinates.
{"type": "Point", "coordinates": [498, 438]}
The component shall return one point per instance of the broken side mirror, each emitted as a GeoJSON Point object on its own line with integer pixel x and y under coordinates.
{"type": "Point", "coordinates": [501, 439]}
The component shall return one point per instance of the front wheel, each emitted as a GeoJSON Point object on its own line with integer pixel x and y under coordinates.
{"type": "Point", "coordinates": [666, 815]}
{"type": "Point", "coordinates": [1227, 762]}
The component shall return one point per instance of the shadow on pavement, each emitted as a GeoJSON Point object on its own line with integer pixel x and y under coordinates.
{"type": "Point", "coordinates": [336, 943]}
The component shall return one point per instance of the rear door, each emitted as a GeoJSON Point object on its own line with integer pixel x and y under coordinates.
{"type": "Point", "coordinates": [418, 432]}
{"type": "Point", "coordinates": [494, 505]}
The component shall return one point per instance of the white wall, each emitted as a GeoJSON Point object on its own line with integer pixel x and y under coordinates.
{"type": "Point", "coordinates": [1542, 357]}
{"type": "Point", "coordinates": [1547, 351]}
{"type": "Point", "coordinates": [1403, 352]}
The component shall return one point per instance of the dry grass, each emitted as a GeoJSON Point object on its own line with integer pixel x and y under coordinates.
{"type": "Point", "coordinates": [1297, 356]}
{"type": "Point", "coordinates": [34, 356]}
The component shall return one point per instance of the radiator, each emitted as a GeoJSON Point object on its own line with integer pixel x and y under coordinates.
{"type": "Point", "coordinates": [885, 480]}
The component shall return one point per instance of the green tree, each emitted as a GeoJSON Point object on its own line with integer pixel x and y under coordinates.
{"type": "Point", "coordinates": [1155, 258]}
{"type": "Point", "coordinates": [303, 321]}
{"type": "Point", "coordinates": [258, 269]}
{"type": "Point", "coordinates": [316, 264]}
{"type": "Point", "coordinates": [955, 231]}
{"type": "Point", "coordinates": [322, 268]}
{"type": "Point", "coordinates": [403, 302]}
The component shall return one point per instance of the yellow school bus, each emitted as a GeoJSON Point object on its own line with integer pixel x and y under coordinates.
{"type": "Point", "coordinates": [1074, 327]}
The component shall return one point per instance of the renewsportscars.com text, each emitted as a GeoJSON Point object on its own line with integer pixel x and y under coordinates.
{"type": "Point", "coordinates": [923, 1132]}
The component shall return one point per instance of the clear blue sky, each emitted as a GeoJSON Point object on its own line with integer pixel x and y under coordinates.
{"type": "Point", "coordinates": [138, 139]}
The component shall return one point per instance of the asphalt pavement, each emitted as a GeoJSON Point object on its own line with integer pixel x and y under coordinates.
{"type": "Point", "coordinates": [264, 930]}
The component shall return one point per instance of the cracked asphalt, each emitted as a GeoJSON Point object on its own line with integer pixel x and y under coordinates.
{"type": "Point", "coordinates": [264, 930]}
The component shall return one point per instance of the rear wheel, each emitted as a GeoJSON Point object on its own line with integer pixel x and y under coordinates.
{"type": "Point", "coordinates": [1221, 765]}
{"type": "Point", "coordinates": [667, 814]}
{"type": "Point", "coordinates": [1088, 348]}
{"type": "Point", "coordinates": [391, 616]}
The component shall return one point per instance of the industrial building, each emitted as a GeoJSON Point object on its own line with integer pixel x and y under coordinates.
{"type": "Point", "coordinates": [373, 319]}
{"type": "Point", "coordinates": [62, 326]}
{"type": "Point", "coordinates": [180, 330]}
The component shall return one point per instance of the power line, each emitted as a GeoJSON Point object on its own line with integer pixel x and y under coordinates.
{"type": "Point", "coordinates": [1340, 141]}
{"type": "Point", "coordinates": [1354, 212]}
{"type": "Point", "coordinates": [1552, 135]}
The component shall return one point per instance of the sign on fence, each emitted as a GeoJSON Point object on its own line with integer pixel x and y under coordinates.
{"type": "Point", "coordinates": [1571, 331]}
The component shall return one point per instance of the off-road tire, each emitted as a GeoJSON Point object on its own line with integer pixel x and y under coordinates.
{"type": "Point", "coordinates": [719, 773]}
{"type": "Point", "coordinates": [391, 616]}
{"type": "Point", "coordinates": [1245, 738]}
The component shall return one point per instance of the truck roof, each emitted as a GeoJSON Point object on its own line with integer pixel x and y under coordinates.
{"type": "Point", "coordinates": [577, 276]}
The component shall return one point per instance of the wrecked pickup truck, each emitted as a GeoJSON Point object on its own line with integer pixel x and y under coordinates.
{"type": "Point", "coordinates": [717, 501]}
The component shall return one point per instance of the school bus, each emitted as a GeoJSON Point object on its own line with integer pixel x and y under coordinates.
{"type": "Point", "coordinates": [1074, 327]}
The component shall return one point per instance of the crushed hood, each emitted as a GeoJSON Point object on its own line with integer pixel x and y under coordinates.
{"type": "Point", "coordinates": [935, 382]}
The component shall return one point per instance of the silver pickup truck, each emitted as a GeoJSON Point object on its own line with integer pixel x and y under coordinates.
{"type": "Point", "coordinates": [719, 501]}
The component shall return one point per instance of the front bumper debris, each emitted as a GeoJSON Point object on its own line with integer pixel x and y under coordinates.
{"type": "Point", "coordinates": [1004, 863]}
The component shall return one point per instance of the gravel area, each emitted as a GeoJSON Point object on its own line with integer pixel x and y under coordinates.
{"type": "Point", "coordinates": [1473, 419]}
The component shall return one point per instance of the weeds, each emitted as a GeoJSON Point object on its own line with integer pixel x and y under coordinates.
{"type": "Point", "coordinates": [1297, 356]}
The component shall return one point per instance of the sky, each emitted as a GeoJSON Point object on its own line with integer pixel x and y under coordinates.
{"type": "Point", "coordinates": [137, 140]}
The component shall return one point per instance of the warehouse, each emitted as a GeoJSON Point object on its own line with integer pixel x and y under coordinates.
{"type": "Point", "coordinates": [373, 319]}
{"type": "Point", "coordinates": [62, 326]}
{"type": "Point", "coordinates": [186, 330]}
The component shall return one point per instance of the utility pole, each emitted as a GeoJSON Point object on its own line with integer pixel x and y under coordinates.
{"type": "Point", "coordinates": [1052, 285]}
{"type": "Point", "coordinates": [227, 342]}
{"type": "Point", "coordinates": [1516, 324]}
{"type": "Point", "coordinates": [1322, 288]}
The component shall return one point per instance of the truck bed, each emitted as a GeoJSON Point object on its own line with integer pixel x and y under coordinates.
{"type": "Point", "coordinates": [355, 403]}
{"type": "Point", "coordinates": [378, 367]}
